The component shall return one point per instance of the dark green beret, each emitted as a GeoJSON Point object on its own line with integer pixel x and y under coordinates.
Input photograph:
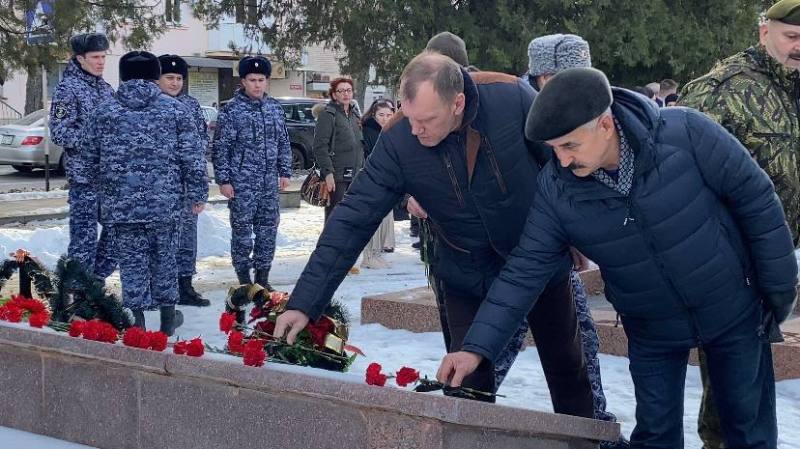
{"type": "Point", "coordinates": [570, 99]}
{"type": "Point", "coordinates": [786, 11]}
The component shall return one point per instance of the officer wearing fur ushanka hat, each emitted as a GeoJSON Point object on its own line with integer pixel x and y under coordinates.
{"type": "Point", "coordinates": [252, 163]}
{"type": "Point", "coordinates": [81, 90]}
{"type": "Point", "coordinates": [174, 64]}
{"type": "Point", "coordinates": [139, 65]}
{"type": "Point", "coordinates": [144, 156]}
{"type": "Point", "coordinates": [254, 64]}
{"type": "Point", "coordinates": [88, 42]}
{"type": "Point", "coordinates": [174, 72]}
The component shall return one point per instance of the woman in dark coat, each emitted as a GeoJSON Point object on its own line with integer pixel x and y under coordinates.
{"type": "Point", "coordinates": [338, 143]}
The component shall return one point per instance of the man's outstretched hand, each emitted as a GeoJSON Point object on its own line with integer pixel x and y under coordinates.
{"type": "Point", "coordinates": [456, 366]}
{"type": "Point", "coordinates": [292, 321]}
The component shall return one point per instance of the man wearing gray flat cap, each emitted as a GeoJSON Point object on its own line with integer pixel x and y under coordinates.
{"type": "Point", "coordinates": [691, 240]}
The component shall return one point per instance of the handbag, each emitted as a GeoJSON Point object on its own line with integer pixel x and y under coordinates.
{"type": "Point", "coordinates": [314, 190]}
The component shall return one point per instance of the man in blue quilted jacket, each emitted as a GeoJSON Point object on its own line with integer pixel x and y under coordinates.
{"type": "Point", "coordinates": [691, 240]}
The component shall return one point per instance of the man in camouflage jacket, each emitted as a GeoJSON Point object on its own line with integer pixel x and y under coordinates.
{"type": "Point", "coordinates": [754, 95]}
{"type": "Point", "coordinates": [141, 152]}
{"type": "Point", "coordinates": [174, 73]}
{"type": "Point", "coordinates": [252, 163]}
{"type": "Point", "coordinates": [74, 99]}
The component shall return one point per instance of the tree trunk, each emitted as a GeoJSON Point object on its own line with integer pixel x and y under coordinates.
{"type": "Point", "coordinates": [33, 89]}
{"type": "Point", "coordinates": [361, 79]}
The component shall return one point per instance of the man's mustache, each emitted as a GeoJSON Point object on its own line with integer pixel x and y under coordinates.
{"type": "Point", "coordinates": [575, 166]}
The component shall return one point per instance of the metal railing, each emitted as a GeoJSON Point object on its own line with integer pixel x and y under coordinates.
{"type": "Point", "coordinates": [8, 114]}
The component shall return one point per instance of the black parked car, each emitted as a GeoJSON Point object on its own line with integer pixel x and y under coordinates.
{"type": "Point", "coordinates": [300, 125]}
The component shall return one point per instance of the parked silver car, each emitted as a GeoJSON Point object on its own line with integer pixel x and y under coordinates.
{"type": "Point", "coordinates": [22, 144]}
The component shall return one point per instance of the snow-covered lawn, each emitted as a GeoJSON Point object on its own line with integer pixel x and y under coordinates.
{"type": "Point", "coordinates": [524, 387]}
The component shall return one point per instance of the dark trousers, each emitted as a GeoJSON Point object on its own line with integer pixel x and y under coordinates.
{"type": "Point", "coordinates": [554, 326]}
{"type": "Point", "coordinates": [336, 197]}
{"type": "Point", "coordinates": [742, 378]}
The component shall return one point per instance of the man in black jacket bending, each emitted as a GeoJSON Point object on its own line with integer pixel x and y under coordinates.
{"type": "Point", "coordinates": [459, 148]}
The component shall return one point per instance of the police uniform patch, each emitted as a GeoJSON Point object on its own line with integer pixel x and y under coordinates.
{"type": "Point", "coordinates": [60, 111]}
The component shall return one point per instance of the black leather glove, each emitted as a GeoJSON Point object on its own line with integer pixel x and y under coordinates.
{"type": "Point", "coordinates": [781, 304]}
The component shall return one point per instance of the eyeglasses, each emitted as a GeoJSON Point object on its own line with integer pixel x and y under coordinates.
{"type": "Point", "coordinates": [344, 91]}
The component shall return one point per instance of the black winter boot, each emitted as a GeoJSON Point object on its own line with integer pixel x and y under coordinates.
{"type": "Point", "coordinates": [171, 319]}
{"type": "Point", "coordinates": [262, 279]}
{"type": "Point", "coordinates": [188, 295]}
{"type": "Point", "coordinates": [138, 316]}
{"type": "Point", "coordinates": [244, 276]}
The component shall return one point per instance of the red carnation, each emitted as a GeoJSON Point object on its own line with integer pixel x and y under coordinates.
{"type": "Point", "coordinates": [236, 342]}
{"type": "Point", "coordinates": [195, 348]}
{"type": "Point", "coordinates": [375, 377]}
{"type": "Point", "coordinates": [32, 305]}
{"type": "Point", "coordinates": [108, 334]}
{"type": "Point", "coordinates": [39, 319]}
{"type": "Point", "coordinates": [76, 328]}
{"type": "Point", "coordinates": [374, 368]}
{"type": "Point", "coordinates": [132, 336]}
{"type": "Point", "coordinates": [144, 341]}
{"type": "Point", "coordinates": [11, 312]}
{"type": "Point", "coordinates": [267, 327]}
{"type": "Point", "coordinates": [181, 347]}
{"type": "Point", "coordinates": [406, 376]}
{"type": "Point", "coordinates": [254, 354]}
{"type": "Point", "coordinates": [320, 330]}
{"type": "Point", "coordinates": [91, 331]}
{"type": "Point", "coordinates": [227, 321]}
{"type": "Point", "coordinates": [158, 341]}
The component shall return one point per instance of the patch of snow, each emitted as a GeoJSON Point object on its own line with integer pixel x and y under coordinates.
{"type": "Point", "coordinates": [18, 439]}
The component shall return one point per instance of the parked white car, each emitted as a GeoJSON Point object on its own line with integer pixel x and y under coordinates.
{"type": "Point", "coordinates": [22, 144]}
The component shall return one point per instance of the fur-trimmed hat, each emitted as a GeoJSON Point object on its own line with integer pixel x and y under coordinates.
{"type": "Point", "coordinates": [86, 42]}
{"type": "Point", "coordinates": [254, 64]}
{"type": "Point", "coordinates": [173, 64]}
{"type": "Point", "coordinates": [556, 52]}
{"type": "Point", "coordinates": [451, 46]}
{"type": "Point", "coordinates": [570, 99]}
{"type": "Point", "coordinates": [139, 65]}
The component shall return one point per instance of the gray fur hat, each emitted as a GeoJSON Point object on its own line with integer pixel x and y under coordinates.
{"type": "Point", "coordinates": [556, 52]}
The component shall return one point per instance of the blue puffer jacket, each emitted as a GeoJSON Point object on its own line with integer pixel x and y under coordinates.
{"type": "Point", "coordinates": [705, 233]}
{"type": "Point", "coordinates": [477, 219]}
{"type": "Point", "coordinates": [141, 150]}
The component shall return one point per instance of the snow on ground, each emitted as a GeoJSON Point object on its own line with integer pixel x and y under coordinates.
{"type": "Point", "coordinates": [22, 196]}
{"type": "Point", "coordinates": [17, 439]}
{"type": "Point", "coordinates": [524, 387]}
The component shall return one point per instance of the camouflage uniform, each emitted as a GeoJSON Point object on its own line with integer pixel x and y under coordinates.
{"type": "Point", "coordinates": [251, 151]}
{"type": "Point", "coordinates": [756, 99]}
{"type": "Point", "coordinates": [75, 97]}
{"type": "Point", "coordinates": [187, 243]}
{"type": "Point", "coordinates": [130, 148]}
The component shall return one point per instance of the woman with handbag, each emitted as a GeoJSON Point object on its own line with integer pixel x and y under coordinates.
{"type": "Point", "coordinates": [383, 240]}
{"type": "Point", "coordinates": [338, 148]}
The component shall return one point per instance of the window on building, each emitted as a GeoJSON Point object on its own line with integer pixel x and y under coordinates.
{"type": "Point", "coordinates": [246, 11]}
{"type": "Point", "coordinates": [172, 11]}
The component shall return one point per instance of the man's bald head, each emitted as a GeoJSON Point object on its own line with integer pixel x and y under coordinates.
{"type": "Point", "coordinates": [442, 72]}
